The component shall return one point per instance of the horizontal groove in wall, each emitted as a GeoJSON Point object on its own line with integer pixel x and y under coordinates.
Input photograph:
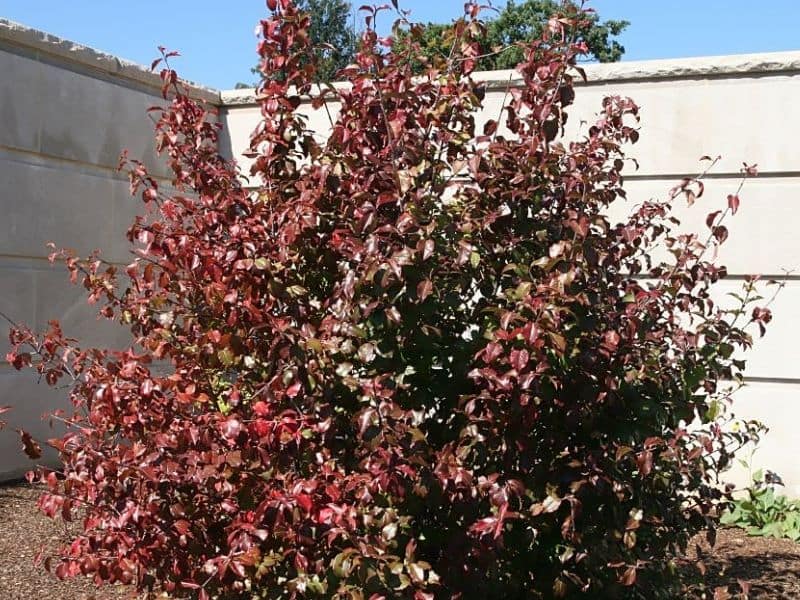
{"type": "Point", "coordinates": [44, 259]}
{"type": "Point", "coordinates": [7, 368]}
{"type": "Point", "coordinates": [712, 175]}
{"type": "Point", "coordinates": [676, 177]}
{"type": "Point", "coordinates": [51, 161]}
{"type": "Point", "coordinates": [778, 380]}
{"type": "Point", "coordinates": [763, 277]}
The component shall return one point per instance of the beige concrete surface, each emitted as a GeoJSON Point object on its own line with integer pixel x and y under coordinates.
{"type": "Point", "coordinates": [66, 113]}
{"type": "Point", "coordinates": [776, 405]}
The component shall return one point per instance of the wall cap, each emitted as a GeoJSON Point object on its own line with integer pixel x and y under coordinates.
{"type": "Point", "coordinates": [43, 43]}
{"type": "Point", "coordinates": [766, 63]}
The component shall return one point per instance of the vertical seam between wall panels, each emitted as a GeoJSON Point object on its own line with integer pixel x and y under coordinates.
{"type": "Point", "coordinates": [39, 122]}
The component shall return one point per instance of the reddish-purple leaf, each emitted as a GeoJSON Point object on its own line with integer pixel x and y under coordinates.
{"type": "Point", "coordinates": [733, 203]}
{"type": "Point", "coordinates": [424, 289]}
{"type": "Point", "coordinates": [628, 577]}
{"type": "Point", "coordinates": [30, 446]}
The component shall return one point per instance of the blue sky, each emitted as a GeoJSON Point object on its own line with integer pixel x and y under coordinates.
{"type": "Point", "coordinates": [217, 41]}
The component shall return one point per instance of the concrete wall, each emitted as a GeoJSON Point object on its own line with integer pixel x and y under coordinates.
{"type": "Point", "coordinates": [66, 112]}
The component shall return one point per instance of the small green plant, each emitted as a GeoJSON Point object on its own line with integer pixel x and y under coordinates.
{"type": "Point", "coordinates": [763, 512]}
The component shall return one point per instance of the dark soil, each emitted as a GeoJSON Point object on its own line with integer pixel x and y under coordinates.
{"type": "Point", "coordinates": [770, 567]}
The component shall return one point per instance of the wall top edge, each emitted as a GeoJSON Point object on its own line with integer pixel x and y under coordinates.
{"type": "Point", "coordinates": [21, 35]}
{"type": "Point", "coordinates": [663, 69]}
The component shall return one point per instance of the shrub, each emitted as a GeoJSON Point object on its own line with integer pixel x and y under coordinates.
{"type": "Point", "coordinates": [417, 361]}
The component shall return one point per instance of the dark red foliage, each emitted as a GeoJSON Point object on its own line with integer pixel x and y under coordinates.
{"type": "Point", "coordinates": [416, 361]}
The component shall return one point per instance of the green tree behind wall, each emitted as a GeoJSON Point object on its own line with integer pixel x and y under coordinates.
{"type": "Point", "coordinates": [522, 22]}
{"type": "Point", "coordinates": [332, 33]}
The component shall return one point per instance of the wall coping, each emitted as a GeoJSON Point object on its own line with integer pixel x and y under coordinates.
{"type": "Point", "coordinates": [44, 44]}
{"type": "Point", "coordinates": [765, 63]}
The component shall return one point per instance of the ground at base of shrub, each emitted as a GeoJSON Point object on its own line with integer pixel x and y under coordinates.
{"type": "Point", "coordinates": [23, 532]}
{"type": "Point", "coordinates": [772, 567]}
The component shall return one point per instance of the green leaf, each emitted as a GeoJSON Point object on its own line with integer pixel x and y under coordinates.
{"type": "Point", "coordinates": [342, 564]}
{"type": "Point", "coordinates": [226, 357]}
{"type": "Point", "coordinates": [474, 259]}
{"type": "Point", "coordinates": [715, 409]}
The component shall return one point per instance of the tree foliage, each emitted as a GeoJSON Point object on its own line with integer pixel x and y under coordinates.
{"type": "Point", "coordinates": [332, 36]}
{"type": "Point", "coordinates": [502, 44]}
{"type": "Point", "coordinates": [419, 361]}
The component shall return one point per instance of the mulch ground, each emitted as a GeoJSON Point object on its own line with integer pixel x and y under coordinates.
{"type": "Point", "coordinates": [770, 567]}
{"type": "Point", "coordinates": [23, 532]}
